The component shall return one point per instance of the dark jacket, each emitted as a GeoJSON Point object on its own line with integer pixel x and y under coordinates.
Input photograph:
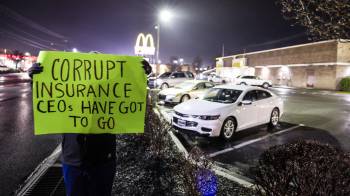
{"type": "Point", "coordinates": [88, 149]}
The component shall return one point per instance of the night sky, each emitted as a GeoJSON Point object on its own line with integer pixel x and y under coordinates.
{"type": "Point", "coordinates": [199, 27]}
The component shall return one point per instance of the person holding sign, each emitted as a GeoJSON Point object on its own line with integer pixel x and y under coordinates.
{"type": "Point", "coordinates": [88, 152]}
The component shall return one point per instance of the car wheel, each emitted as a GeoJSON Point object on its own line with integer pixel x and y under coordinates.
{"type": "Point", "coordinates": [164, 86]}
{"type": "Point", "coordinates": [228, 128]}
{"type": "Point", "coordinates": [275, 117]}
{"type": "Point", "coordinates": [265, 85]}
{"type": "Point", "coordinates": [185, 98]}
{"type": "Point", "coordinates": [243, 83]}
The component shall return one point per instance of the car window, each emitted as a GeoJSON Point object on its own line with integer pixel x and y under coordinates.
{"type": "Point", "coordinates": [263, 94]}
{"type": "Point", "coordinates": [190, 75]}
{"type": "Point", "coordinates": [250, 96]}
{"type": "Point", "coordinates": [222, 95]}
{"type": "Point", "coordinates": [187, 85]}
{"type": "Point", "coordinates": [200, 86]}
{"type": "Point", "coordinates": [245, 77]}
{"type": "Point", "coordinates": [165, 75]}
{"type": "Point", "coordinates": [179, 75]}
{"type": "Point", "coordinates": [209, 85]}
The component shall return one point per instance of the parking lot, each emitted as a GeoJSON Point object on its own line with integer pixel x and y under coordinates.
{"type": "Point", "coordinates": [323, 116]}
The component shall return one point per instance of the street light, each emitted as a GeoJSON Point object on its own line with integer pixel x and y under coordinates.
{"type": "Point", "coordinates": [164, 17]}
{"type": "Point", "coordinates": [181, 61]}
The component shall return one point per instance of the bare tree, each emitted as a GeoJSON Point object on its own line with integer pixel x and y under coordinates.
{"type": "Point", "coordinates": [16, 56]}
{"type": "Point", "coordinates": [197, 63]}
{"type": "Point", "coordinates": [323, 19]}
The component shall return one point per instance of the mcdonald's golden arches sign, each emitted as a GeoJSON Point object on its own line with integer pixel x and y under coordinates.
{"type": "Point", "coordinates": [144, 45]}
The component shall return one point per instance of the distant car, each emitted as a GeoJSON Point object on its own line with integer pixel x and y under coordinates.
{"type": "Point", "coordinates": [184, 91]}
{"type": "Point", "coordinates": [202, 77]}
{"type": "Point", "coordinates": [253, 81]}
{"type": "Point", "coordinates": [173, 78]}
{"type": "Point", "coordinates": [217, 79]}
{"type": "Point", "coordinates": [227, 109]}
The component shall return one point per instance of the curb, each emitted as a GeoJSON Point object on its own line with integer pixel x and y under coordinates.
{"type": "Point", "coordinates": [39, 171]}
{"type": "Point", "coordinates": [217, 169]}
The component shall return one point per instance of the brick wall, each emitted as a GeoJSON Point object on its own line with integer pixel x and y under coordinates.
{"type": "Point", "coordinates": [315, 53]}
{"type": "Point", "coordinates": [344, 52]}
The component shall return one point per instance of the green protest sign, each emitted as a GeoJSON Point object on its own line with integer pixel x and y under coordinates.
{"type": "Point", "coordinates": [89, 94]}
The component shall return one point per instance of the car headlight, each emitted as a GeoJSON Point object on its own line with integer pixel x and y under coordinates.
{"type": "Point", "coordinates": [206, 117]}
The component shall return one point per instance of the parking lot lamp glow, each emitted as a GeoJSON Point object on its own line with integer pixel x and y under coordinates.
{"type": "Point", "coordinates": [165, 16]}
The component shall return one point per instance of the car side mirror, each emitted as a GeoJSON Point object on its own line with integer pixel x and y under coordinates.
{"type": "Point", "coordinates": [246, 102]}
{"type": "Point", "coordinates": [195, 88]}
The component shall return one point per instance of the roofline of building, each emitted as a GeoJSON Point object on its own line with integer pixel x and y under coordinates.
{"type": "Point", "coordinates": [304, 65]}
{"type": "Point", "coordinates": [287, 47]}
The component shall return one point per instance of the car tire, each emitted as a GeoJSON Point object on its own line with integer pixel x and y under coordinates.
{"type": "Point", "coordinates": [265, 85]}
{"type": "Point", "coordinates": [228, 128]}
{"type": "Point", "coordinates": [185, 98]}
{"type": "Point", "coordinates": [274, 118]}
{"type": "Point", "coordinates": [243, 83]}
{"type": "Point", "coordinates": [164, 86]}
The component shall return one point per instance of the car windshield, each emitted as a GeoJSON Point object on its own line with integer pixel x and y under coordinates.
{"type": "Point", "coordinates": [187, 85]}
{"type": "Point", "coordinates": [222, 95]}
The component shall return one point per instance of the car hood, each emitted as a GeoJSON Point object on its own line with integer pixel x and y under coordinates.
{"type": "Point", "coordinates": [172, 91]}
{"type": "Point", "coordinates": [201, 107]}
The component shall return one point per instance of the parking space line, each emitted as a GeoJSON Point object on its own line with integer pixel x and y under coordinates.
{"type": "Point", "coordinates": [251, 141]}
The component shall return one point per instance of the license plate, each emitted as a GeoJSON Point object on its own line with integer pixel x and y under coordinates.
{"type": "Point", "coordinates": [181, 122]}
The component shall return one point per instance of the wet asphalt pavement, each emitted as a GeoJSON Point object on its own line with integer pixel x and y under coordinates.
{"type": "Point", "coordinates": [323, 116]}
{"type": "Point", "coordinates": [309, 114]}
{"type": "Point", "coordinates": [20, 150]}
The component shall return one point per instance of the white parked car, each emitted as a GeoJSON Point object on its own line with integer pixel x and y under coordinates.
{"type": "Point", "coordinates": [184, 91]}
{"type": "Point", "coordinates": [253, 81]}
{"type": "Point", "coordinates": [171, 79]}
{"type": "Point", "coordinates": [217, 79]}
{"type": "Point", "coordinates": [227, 109]}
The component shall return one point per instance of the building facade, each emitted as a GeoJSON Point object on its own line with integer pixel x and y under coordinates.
{"type": "Point", "coordinates": [318, 65]}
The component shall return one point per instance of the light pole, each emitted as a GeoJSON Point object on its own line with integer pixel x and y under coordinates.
{"type": "Point", "coordinates": [157, 51]}
{"type": "Point", "coordinates": [163, 17]}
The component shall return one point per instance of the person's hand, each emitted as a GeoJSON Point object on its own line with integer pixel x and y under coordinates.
{"type": "Point", "coordinates": [35, 69]}
{"type": "Point", "coordinates": [147, 67]}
